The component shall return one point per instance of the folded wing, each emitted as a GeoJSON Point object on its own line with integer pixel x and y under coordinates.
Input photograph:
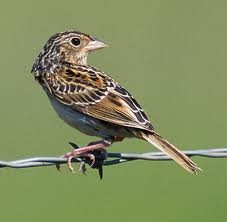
{"type": "Point", "coordinates": [94, 93]}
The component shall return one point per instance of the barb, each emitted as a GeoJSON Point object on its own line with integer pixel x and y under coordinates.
{"type": "Point", "coordinates": [112, 158]}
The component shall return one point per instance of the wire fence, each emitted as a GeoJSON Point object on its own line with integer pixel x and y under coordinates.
{"type": "Point", "coordinates": [102, 158]}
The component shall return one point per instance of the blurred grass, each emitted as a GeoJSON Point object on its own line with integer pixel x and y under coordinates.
{"type": "Point", "coordinates": [172, 56]}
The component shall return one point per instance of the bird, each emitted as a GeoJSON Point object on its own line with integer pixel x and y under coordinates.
{"type": "Point", "coordinates": [91, 101]}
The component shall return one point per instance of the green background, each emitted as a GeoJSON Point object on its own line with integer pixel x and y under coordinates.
{"type": "Point", "coordinates": [171, 55]}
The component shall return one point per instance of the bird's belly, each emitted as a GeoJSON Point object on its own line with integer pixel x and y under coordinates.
{"type": "Point", "coordinates": [87, 124]}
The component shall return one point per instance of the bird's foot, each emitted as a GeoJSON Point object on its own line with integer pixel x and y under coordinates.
{"type": "Point", "coordinates": [95, 159]}
{"type": "Point", "coordinates": [90, 153]}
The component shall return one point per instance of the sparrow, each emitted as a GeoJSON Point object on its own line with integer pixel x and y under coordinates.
{"type": "Point", "coordinates": [91, 101]}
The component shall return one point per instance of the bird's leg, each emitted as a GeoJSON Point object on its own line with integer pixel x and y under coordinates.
{"type": "Point", "coordinates": [86, 151]}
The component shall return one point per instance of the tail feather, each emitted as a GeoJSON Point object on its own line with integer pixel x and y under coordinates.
{"type": "Point", "coordinates": [156, 140]}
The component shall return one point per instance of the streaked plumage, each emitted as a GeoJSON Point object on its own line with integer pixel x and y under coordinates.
{"type": "Point", "coordinates": [89, 99]}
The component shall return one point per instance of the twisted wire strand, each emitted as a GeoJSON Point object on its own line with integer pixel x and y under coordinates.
{"type": "Point", "coordinates": [112, 158]}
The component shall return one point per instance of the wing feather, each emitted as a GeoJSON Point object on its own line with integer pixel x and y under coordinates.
{"type": "Point", "coordinates": [94, 93]}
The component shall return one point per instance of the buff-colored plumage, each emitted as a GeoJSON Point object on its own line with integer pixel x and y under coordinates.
{"type": "Point", "coordinates": [89, 99]}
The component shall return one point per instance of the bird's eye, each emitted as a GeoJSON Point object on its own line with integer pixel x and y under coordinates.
{"type": "Point", "coordinates": [75, 41]}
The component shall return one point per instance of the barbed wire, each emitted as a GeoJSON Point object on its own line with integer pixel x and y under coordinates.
{"type": "Point", "coordinates": [112, 158]}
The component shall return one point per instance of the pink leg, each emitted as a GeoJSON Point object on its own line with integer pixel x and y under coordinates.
{"type": "Point", "coordinates": [84, 151]}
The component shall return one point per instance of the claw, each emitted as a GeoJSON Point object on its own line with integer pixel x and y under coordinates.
{"type": "Point", "coordinates": [82, 167]}
{"type": "Point", "coordinates": [69, 163]}
{"type": "Point", "coordinates": [92, 158]}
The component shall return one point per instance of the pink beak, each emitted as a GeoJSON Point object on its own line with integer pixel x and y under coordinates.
{"type": "Point", "coordinates": [95, 44]}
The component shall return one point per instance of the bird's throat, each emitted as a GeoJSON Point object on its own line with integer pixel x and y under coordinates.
{"type": "Point", "coordinates": [81, 59]}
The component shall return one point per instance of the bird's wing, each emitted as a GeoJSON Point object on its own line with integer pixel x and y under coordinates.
{"type": "Point", "coordinates": [94, 93]}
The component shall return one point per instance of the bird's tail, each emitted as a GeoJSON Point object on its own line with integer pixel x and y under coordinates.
{"type": "Point", "coordinates": [156, 140]}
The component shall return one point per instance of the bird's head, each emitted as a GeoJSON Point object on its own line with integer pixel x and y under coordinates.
{"type": "Point", "coordinates": [66, 47]}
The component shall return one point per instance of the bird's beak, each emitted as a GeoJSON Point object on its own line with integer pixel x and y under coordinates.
{"type": "Point", "coordinates": [95, 44]}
